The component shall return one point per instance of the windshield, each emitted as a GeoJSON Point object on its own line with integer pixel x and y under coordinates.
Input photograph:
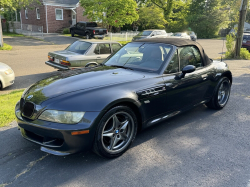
{"type": "Point", "coordinates": [140, 56]}
{"type": "Point", "coordinates": [145, 33]}
{"type": "Point", "coordinates": [177, 34]}
{"type": "Point", "coordinates": [91, 24]}
{"type": "Point", "coordinates": [246, 37]}
{"type": "Point", "coordinates": [79, 47]}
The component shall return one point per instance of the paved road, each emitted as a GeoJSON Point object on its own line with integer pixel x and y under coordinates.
{"type": "Point", "coordinates": [201, 147]}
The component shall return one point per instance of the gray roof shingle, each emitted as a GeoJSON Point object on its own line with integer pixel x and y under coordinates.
{"type": "Point", "coordinates": [62, 2]}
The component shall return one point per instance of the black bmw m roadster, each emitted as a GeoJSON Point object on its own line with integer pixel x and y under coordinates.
{"type": "Point", "coordinates": [103, 107]}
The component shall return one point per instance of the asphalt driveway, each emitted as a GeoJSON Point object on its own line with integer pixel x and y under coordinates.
{"type": "Point", "coordinates": [201, 147]}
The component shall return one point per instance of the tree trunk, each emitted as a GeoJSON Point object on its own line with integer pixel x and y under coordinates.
{"type": "Point", "coordinates": [1, 33]}
{"type": "Point", "coordinates": [243, 12]}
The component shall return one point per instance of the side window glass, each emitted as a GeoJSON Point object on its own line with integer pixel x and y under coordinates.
{"type": "Point", "coordinates": [187, 57]}
{"type": "Point", "coordinates": [173, 66]}
{"type": "Point", "coordinates": [97, 51]}
{"type": "Point", "coordinates": [115, 47]}
{"type": "Point", "coordinates": [105, 49]}
{"type": "Point", "coordinates": [78, 26]}
{"type": "Point", "coordinates": [198, 59]}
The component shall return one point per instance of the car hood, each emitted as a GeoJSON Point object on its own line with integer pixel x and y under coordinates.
{"type": "Point", "coordinates": [79, 79]}
{"type": "Point", "coordinates": [3, 66]}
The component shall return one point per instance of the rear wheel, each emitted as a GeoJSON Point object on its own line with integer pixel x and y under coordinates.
{"type": "Point", "coordinates": [88, 36]}
{"type": "Point", "coordinates": [221, 96]}
{"type": "Point", "coordinates": [115, 132]}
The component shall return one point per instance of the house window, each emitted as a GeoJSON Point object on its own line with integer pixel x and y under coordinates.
{"type": "Point", "coordinates": [26, 13]}
{"type": "Point", "coordinates": [37, 13]}
{"type": "Point", "coordinates": [59, 14]}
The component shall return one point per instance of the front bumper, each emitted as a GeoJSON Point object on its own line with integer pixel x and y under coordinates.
{"type": "Point", "coordinates": [8, 80]}
{"type": "Point", "coordinates": [99, 36]}
{"type": "Point", "coordinates": [56, 138]}
{"type": "Point", "coordinates": [57, 66]}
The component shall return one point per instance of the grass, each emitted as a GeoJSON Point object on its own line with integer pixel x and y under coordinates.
{"type": "Point", "coordinates": [7, 109]}
{"type": "Point", "coordinates": [6, 47]}
{"type": "Point", "coordinates": [12, 34]}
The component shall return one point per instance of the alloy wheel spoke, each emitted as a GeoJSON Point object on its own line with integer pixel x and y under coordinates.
{"type": "Point", "coordinates": [110, 135]}
{"type": "Point", "coordinates": [116, 122]}
{"type": "Point", "coordinates": [124, 125]}
{"type": "Point", "coordinates": [124, 136]}
{"type": "Point", "coordinates": [113, 142]}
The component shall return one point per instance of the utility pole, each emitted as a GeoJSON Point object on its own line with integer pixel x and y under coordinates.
{"type": "Point", "coordinates": [243, 12]}
{"type": "Point", "coordinates": [1, 33]}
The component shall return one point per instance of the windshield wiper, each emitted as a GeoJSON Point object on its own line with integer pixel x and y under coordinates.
{"type": "Point", "coordinates": [121, 67]}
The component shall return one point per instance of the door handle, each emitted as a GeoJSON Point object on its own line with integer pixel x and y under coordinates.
{"type": "Point", "coordinates": [98, 57]}
{"type": "Point", "coordinates": [204, 77]}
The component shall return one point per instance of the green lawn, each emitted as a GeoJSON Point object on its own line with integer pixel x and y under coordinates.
{"type": "Point", "coordinates": [6, 47]}
{"type": "Point", "coordinates": [12, 34]}
{"type": "Point", "coordinates": [7, 109]}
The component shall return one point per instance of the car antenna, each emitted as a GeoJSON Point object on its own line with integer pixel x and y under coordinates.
{"type": "Point", "coordinates": [222, 49]}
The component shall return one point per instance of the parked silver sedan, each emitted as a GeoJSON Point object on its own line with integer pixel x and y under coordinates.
{"type": "Point", "coordinates": [7, 76]}
{"type": "Point", "coordinates": [82, 53]}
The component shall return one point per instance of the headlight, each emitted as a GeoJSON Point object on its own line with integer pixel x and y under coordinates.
{"type": "Point", "coordinates": [8, 72]}
{"type": "Point", "coordinates": [61, 116]}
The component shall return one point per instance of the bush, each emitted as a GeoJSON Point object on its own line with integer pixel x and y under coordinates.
{"type": "Point", "coordinates": [244, 54]}
{"type": "Point", "coordinates": [66, 31]}
{"type": "Point", "coordinates": [230, 44]}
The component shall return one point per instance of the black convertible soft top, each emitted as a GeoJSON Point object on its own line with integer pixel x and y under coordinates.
{"type": "Point", "coordinates": [178, 42]}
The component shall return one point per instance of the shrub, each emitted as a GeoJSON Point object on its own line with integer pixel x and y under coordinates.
{"type": "Point", "coordinates": [244, 54]}
{"type": "Point", "coordinates": [66, 31]}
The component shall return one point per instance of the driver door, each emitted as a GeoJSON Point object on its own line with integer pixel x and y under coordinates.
{"type": "Point", "coordinates": [182, 93]}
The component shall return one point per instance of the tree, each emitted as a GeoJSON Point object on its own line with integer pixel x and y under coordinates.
{"type": "Point", "coordinates": [165, 5]}
{"type": "Point", "coordinates": [206, 17]}
{"type": "Point", "coordinates": [10, 5]}
{"type": "Point", "coordinates": [177, 21]}
{"type": "Point", "coordinates": [111, 12]}
{"type": "Point", "coordinates": [151, 17]}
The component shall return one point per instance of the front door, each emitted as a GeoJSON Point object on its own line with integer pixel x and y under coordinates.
{"type": "Point", "coordinates": [73, 17]}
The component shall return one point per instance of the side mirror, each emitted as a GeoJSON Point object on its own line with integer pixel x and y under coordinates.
{"type": "Point", "coordinates": [187, 69]}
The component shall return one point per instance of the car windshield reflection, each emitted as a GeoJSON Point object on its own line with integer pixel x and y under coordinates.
{"type": "Point", "coordinates": [79, 47]}
{"type": "Point", "coordinates": [149, 57]}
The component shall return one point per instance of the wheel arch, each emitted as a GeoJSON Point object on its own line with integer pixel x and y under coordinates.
{"type": "Point", "coordinates": [228, 74]}
{"type": "Point", "coordinates": [133, 105]}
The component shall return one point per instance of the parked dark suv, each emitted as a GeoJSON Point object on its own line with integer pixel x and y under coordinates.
{"type": "Point", "coordinates": [88, 29]}
{"type": "Point", "coordinates": [246, 41]}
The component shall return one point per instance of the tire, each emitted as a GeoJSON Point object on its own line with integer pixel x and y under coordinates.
{"type": "Point", "coordinates": [221, 95]}
{"type": "Point", "coordinates": [1, 85]}
{"type": "Point", "coordinates": [115, 132]}
{"type": "Point", "coordinates": [72, 33]}
{"type": "Point", "coordinates": [88, 36]}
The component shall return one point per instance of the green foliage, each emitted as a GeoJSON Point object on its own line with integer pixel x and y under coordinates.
{"type": "Point", "coordinates": [244, 53]}
{"type": "Point", "coordinates": [111, 12]}
{"type": "Point", "coordinates": [165, 5]}
{"type": "Point", "coordinates": [6, 47]}
{"type": "Point", "coordinates": [177, 20]}
{"type": "Point", "coordinates": [66, 31]}
{"type": "Point", "coordinates": [7, 109]}
{"type": "Point", "coordinates": [206, 18]}
{"type": "Point", "coordinates": [151, 17]}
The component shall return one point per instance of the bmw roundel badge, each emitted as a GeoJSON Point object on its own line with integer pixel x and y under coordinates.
{"type": "Point", "coordinates": [29, 97]}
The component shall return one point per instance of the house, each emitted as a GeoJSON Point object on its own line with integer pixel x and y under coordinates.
{"type": "Point", "coordinates": [246, 28]}
{"type": "Point", "coordinates": [53, 15]}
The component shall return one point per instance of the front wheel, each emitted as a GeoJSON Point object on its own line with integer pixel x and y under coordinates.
{"type": "Point", "coordinates": [221, 96]}
{"type": "Point", "coordinates": [72, 33]}
{"type": "Point", "coordinates": [115, 132]}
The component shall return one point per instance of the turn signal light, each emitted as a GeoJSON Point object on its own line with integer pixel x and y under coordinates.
{"type": "Point", "coordinates": [50, 58]}
{"type": "Point", "coordinates": [66, 63]}
{"type": "Point", "coordinates": [79, 132]}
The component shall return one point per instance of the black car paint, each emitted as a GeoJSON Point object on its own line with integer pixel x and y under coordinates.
{"type": "Point", "coordinates": [153, 96]}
